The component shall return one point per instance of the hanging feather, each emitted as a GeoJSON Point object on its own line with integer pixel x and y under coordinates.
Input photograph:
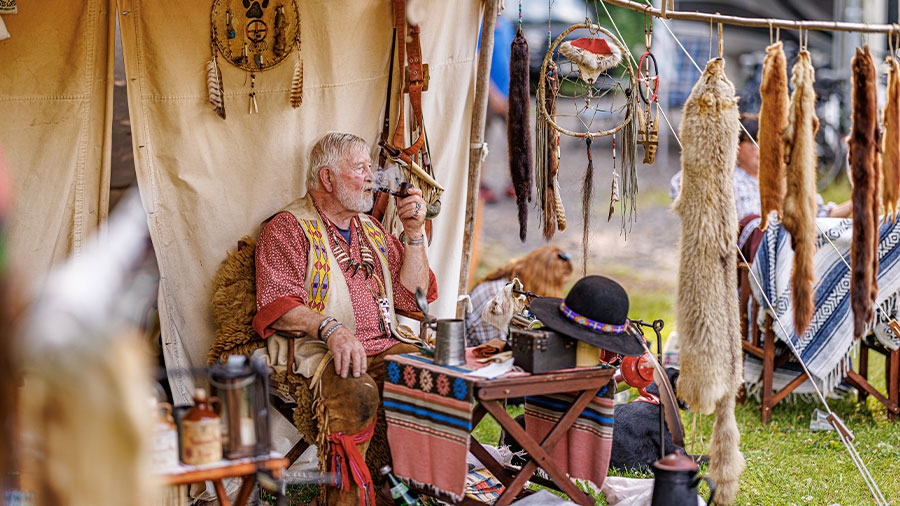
{"type": "Point", "coordinates": [800, 196]}
{"type": "Point", "coordinates": [214, 86]}
{"type": "Point", "coordinates": [297, 81]}
{"type": "Point", "coordinates": [890, 142]}
{"type": "Point", "coordinates": [773, 119]}
{"type": "Point", "coordinates": [519, 125]}
{"type": "Point", "coordinates": [587, 190]}
{"type": "Point", "coordinates": [863, 136]}
{"type": "Point", "coordinates": [546, 158]}
{"type": "Point", "coordinates": [560, 211]}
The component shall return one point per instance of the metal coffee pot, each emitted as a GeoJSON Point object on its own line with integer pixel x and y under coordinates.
{"type": "Point", "coordinates": [676, 481]}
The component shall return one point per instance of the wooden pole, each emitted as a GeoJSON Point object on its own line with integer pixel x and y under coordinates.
{"type": "Point", "coordinates": [837, 26]}
{"type": "Point", "coordinates": [476, 143]}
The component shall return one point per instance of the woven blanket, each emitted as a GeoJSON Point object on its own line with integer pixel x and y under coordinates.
{"type": "Point", "coordinates": [584, 451]}
{"type": "Point", "coordinates": [429, 414]}
{"type": "Point", "coordinates": [826, 345]}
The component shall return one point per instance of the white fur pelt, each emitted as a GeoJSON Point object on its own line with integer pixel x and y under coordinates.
{"type": "Point", "coordinates": [799, 216]}
{"type": "Point", "coordinates": [707, 309]}
{"type": "Point", "coordinates": [707, 304]}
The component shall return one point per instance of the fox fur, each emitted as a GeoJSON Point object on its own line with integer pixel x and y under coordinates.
{"type": "Point", "coordinates": [799, 215]}
{"type": "Point", "coordinates": [862, 145]}
{"type": "Point", "coordinates": [707, 305]}
{"type": "Point", "coordinates": [773, 119]}
{"type": "Point", "coordinates": [890, 141]}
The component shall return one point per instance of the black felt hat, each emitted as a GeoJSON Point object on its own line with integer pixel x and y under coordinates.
{"type": "Point", "coordinates": [594, 311]}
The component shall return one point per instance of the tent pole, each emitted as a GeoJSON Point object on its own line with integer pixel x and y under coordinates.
{"type": "Point", "coordinates": [477, 149]}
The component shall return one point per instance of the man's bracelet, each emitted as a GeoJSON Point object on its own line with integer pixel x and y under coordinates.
{"type": "Point", "coordinates": [415, 241]}
{"type": "Point", "coordinates": [324, 323]}
{"type": "Point", "coordinates": [330, 331]}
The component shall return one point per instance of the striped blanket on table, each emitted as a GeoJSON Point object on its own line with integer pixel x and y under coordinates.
{"type": "Point", "coordinates": [429, 415]}
{"type": "Point", "coordinates": [825, 347]}
{"type": "Point", "coordinates": [584, 451]}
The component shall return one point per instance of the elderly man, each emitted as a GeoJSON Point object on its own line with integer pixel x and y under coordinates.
{"type": "Point", "coordinates": [331, 276]}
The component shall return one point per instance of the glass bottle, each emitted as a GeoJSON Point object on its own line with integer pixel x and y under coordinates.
{"type": "Point", "coordinates": [201, 431]}
{"type": "Point", "coordinates": [399, 491]}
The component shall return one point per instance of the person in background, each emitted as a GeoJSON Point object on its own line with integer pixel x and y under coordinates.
{"type": "Point", "coordinates": [498, 92]}
{"type": "Point", "coordinates": [330, 277]}
{"type": "Point", "coordinates": [543, 272]}
{"type": "Point", "coordinates": [746, 190]}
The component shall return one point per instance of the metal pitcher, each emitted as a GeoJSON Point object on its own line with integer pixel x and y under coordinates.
{"type": "Point", "coordinates": [450, 343]}
{"type": "Point", "coordinates": [676, 481]}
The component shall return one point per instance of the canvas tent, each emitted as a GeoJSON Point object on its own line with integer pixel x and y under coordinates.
{"type": "Point", "coordinates": [205, 182]}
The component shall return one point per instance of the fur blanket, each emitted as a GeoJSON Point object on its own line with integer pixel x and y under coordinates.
{"type": "Point", "coordinates": [707, 304]}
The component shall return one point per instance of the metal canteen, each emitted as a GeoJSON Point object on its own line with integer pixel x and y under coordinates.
{"type": "Point", "coordinates": [676, 480]}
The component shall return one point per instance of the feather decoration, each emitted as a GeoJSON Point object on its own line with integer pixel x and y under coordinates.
{"type": "Point", "coordinates": [890, 141]}
{"type": "Point", "coordinates": [587, 190]}
{"type": "Point", "coordinates": [799, 200]}
{"type": "Point", "coordinates": [773, 118]}
{"type": "Point", "coordinates": [519, 125]}
{"type": "Point", "coordinates": [862, 140]}
{"type": "Point", "coordinates": [214, 86]}
{"type": "Point", "coordinates": [297, 81]}
{"type": "Point", "coordinates": [546, 160]}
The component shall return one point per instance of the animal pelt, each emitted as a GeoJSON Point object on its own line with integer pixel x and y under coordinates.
{"type": "Point", "coordinates": [234, 304]}
{"type": "Point", "coordinates": [773, 119]}
{"type": "Point", "coordinates": [890, 141]}
{"type": "Point", "coordinates": [862, 142]}
{"type": "Point", "coordinates": [707, 308]}
{"type": "Point", "coordinates": [519, 128]}
{"type": "Point", "coordinates": [636, 431]}
{"type": "Point", "coordinates": [799, 216]}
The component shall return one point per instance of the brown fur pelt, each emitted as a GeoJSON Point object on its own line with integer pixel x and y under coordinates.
{"type": "Point", "coordinates": [707, 312]}
{"type": "Point", "coordinates": [519, 128]}
{"type": "Point", "coordinates": [799, 214]}
{"type": "Point", "coordinates": [862, 142]}
{"type": "Point", "coordinates": [773, 119]}
{"type": "Point", "coordinates": [547, 159]}
{"type": "Point", "coordinates": [707, 308]}
{"type": "Point", "coordinates": [544, 271]}
{"type": "Point", "coordinates": [234, 304]}
{"type": "Point", "coordinates": [890, 142]}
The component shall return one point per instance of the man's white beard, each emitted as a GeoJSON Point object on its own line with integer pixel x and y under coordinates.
{"type": "Point", "coordinates": [357, 202]}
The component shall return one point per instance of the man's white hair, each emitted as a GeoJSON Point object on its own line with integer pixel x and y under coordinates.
{"type": "Point", "coordinates": [328, 151]}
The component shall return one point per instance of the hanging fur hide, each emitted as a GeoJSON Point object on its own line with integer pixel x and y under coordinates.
{"type": "Point", "coordinates": [800, 198]}
{"type": "Point", "coordinates": [519, 128]}
{"type": "Point", "coordinates": [891, 141]}
{"type": "Point", "coordinates": [862, 142]}
{"type": "Point", "coordinates": [707, 308]}
{"type": "Point", "coordinates": [547, 159]}
{"type": "Point", "coordinates": [773, 119]}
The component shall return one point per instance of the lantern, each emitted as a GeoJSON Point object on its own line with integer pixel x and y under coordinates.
{"type": "Point", "coordinates": [243, 389]}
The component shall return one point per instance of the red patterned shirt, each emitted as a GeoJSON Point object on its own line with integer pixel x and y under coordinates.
{"type": "Point", "coordinates": [281, 261]}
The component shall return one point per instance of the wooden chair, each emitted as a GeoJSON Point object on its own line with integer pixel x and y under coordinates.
{"type": "Point", "coordinates": [760, 342]}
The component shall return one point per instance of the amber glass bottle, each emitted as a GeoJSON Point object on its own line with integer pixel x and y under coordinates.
{"type": "Point", "coordinates": [201, 431]}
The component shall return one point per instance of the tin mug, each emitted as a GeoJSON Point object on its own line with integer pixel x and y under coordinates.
{"type": "Point", "coordinates": [450, 343]}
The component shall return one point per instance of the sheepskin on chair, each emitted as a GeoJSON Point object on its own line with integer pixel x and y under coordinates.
{"type": "Point", "coordinates": [707, 304]}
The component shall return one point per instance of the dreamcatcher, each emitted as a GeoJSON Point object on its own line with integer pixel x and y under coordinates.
{"type": "Point", "coordinates": [648, 88]}
{"type": "Point", "coordinates": [253, 36]}
{"type": "Point", "coordinates": [587, 91]}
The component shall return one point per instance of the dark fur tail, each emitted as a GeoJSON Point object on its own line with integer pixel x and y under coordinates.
{"type": "Point", "coordinates": [519, 128]}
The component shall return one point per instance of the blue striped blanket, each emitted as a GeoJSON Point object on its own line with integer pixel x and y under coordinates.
{"type": "Point", "coordinates": [825, 347]}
